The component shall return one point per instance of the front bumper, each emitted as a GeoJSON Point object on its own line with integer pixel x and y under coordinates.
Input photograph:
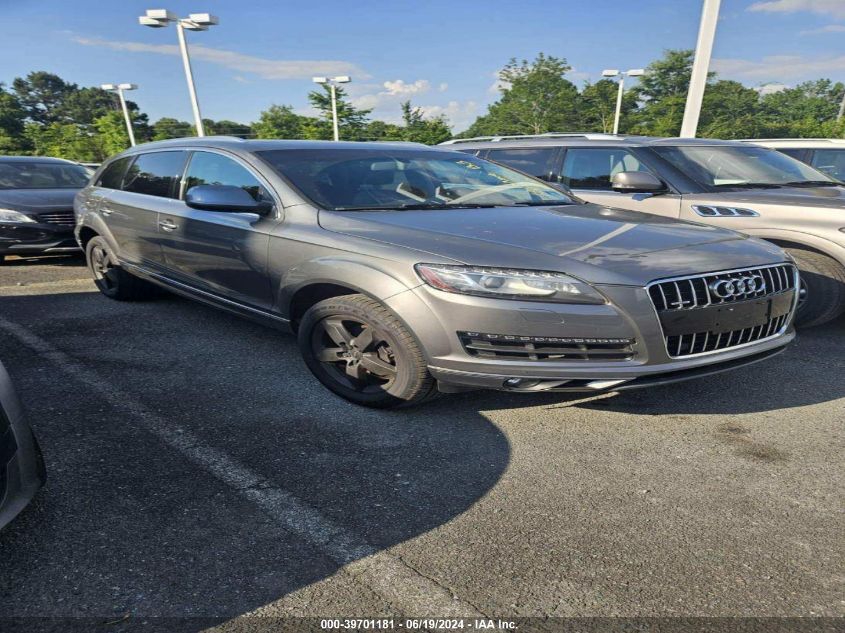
{"type": "Point", "coordinates": [437, 317]}
{"type": "Point", "coordinates": [32, 238]}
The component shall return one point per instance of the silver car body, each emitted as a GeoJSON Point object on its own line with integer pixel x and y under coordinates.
{"type": "Point", "coordinates": [810, 217]}
{"type": "Point", "coordinates": [273, 267]}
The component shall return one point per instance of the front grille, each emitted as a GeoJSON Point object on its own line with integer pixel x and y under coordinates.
{"type": "Point", "coordinates": [699, 315]}
{"type": "Point", "coordinates": [546, 348]}
{"type": "Point", "coordinates": [57, 217]}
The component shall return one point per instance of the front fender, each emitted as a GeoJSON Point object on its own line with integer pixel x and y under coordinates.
{"type": "Point", "coordinates": [835, 250]}
{"type": "Point", "coordinates": [379, 279]}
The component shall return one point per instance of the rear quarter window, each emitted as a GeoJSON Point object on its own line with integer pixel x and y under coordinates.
{"type": "Point", "coordinates": [112, 175]}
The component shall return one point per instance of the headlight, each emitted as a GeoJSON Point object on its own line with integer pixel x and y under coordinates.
{"type": "Point", "coordinates": [505, 283]}
{"type": "Point", "coordinates": [9, 216]}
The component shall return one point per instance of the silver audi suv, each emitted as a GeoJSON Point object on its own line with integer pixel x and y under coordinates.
{"type": "Point", "coordinates": [405, 269]}
{"type": "Point", "coordinates": [728, 184]}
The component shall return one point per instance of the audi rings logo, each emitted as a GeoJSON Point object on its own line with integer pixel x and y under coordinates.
{"type": "Point", "coordinates": [729, 288]}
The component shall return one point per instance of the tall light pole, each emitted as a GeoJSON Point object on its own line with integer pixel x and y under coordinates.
{"type": "Point", "coordinates": [119, 88]}
{"type": "Point", "coordinates": [634, 72]}
{"type": "Point", "coordinates": [332, 83]}
{"type": "Point", "coordinates": [700, 67]}
{"type": "Point", "coordinates": [158, 18]}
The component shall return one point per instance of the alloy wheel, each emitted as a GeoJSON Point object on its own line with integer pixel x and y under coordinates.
{"type": "Point", "coordinates": [354, 353]}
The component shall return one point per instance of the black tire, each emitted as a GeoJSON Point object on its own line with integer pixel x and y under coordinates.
{"type": "Point", "coordinates": [822, 288]}
{"type": "Point", "coordinates": [367, 340]}
{"type": "Point", "coordinates": [111, 279]}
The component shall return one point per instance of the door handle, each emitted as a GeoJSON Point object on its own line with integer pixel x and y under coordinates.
{"type": "Point", "coordinates": [168, 225]}
{"type": "Point", "coordinates": [106, 212]}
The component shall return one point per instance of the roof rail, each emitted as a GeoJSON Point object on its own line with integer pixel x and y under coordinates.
{"type": "Point", "coordinates": [591, 136]}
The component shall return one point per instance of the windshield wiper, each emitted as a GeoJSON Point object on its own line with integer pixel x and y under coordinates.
{"type": "Point", "coordinates": [813, 183]}
{"type": "Point", "coordinates": [749, 185]}
{"type": "Point", "coordinates": [540, 203]}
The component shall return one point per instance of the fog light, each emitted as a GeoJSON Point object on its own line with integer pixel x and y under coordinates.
{"type": "Point", "coordinates": [513, 382]}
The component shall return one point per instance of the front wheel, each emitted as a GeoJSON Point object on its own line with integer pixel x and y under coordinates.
{"type": "Point", "coordinates": [822, 290]}
{"type": "Point", "coordinates": [359, 350]}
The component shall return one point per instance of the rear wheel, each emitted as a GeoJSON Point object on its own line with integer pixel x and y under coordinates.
{"type": "Point", "coordinates": [822, 291]}
{"type": "Point", "coordinates": [111, 279]}
{"type": "Point", "coordinates": [363, 353]}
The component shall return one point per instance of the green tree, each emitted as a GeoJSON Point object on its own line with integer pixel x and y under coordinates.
{"type": "Point", "coordinates": [730, 110]}
{"type": "Point", "coordinates": [42, 95]}
{"type": "Point", "coordinates": [167, 127]}
{"type": "Point", "coordinates": [279, 121]}
{"type": "Point", "coordinates": [598, 106]}
{"type": "Point", "coordinates": [227, 128]}
{"type": "Point", "coordinates": [419, 129]}
{"type": "Point", "coordinates": [351, 120]}
{"type": "Point", "coordinates": [536, 98]}
{"type": "Point", "coordinates": [111, 133]}
{"type": "Point", "coordinates": [65, 140]}
{"type": "Point", "coordinates": [808, 109]}
{"type": "Point", "coordinates": [12, 118]}
{"type": "Point", "coordinates": [662, 91]}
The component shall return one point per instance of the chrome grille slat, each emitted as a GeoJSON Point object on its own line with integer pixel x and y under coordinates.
{"type": "Point", "coordinates": [672, 295]}
{"type": "Point", "coordinates": [549, 351]}
{"type": "Point", "coordinates": [57, 217]}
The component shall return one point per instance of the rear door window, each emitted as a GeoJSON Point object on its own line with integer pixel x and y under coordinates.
{"type": "Point", "coordinates": [593, 168]}
{"type": "Point", "coordinates": [156, 174]}
{"type": "Point", "coordinates": [535, 161]}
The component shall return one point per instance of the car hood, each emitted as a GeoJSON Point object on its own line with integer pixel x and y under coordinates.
{"type": "Point", "coordinates": [819, 197]}
{"type": "Point", "coordinates": [37, 200]}
{"type": "Point", "coordinates": [595, 243]}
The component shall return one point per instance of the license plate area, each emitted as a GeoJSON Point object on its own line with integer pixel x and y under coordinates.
{"type": "Point", "coordinates": [726, 317]}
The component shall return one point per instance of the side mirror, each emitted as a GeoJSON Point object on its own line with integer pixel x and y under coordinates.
{"type": "Point", "coordinates": [225, 198]}
{"type": "Point", "coordinates": [636, 182]}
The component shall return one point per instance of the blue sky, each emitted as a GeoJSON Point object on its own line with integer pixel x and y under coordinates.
{"type": "Point", "coordinates": [443, 55]}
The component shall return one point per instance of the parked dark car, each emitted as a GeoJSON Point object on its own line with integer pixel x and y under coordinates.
{"type": "Point", "coordinates": [21, 464]}
{"type": "Point", "coordinates": [36, 204]}
{"type": "Point", "coordinates": [405, 268]}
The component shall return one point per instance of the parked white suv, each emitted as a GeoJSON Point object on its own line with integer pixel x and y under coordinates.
{"type": "Point", "coordinates": [825, 154]}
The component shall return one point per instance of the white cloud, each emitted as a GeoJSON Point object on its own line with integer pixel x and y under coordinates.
{"type": "Point", "coordinates": [241, 79]}
{"type": "Point", "coordinates": [399, 87]}
{"type": "Point", "coordinates": [830, 28]}
{"type": "Point", "coordinates": [265, 68]}
{"type": "Point", "coordinates": [771, 88]}
{"type": "Point", "coordinates": [836, 8]}
{"type": "Point", "coordinates": [443, 87]}
{"type": "Point", "coordinates": [779, 67]}
{"type": "Point", "coordinates": [460, 115]}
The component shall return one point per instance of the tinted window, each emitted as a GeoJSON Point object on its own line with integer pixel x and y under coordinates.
{"type": "Point", "coordinates": [535, 162]}
{"type": "Point", "coordinates": [594, 168]}
{"type": "Point", "coordinates": [729, 166]}
{"type": "Point", "coordinates": [800, 154]}
{"type": "Point", "coordinates": [830, 161]}
{"type": "Point", "coordinates": [36, 175]}
{"type": "Point", "coordinates": [155, 174]}
{"type": "Point", "coordinates": [207, 168]}
{"type": "Point", "coordinates": [112, 175]}
{"type": "Point", "coordinates": [391, 178]}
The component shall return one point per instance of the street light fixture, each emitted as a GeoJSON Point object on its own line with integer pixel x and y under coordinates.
{"type": "Point", "coordinates": [332, 83]}
{"type": "Point", "coordinates": [119, 88]}
{"type": "Point", "coordinates": [634, 72]}
{"type": "Point", "coordinates": [159, 18]}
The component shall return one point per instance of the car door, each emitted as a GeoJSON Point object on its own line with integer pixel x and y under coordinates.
{"type": "Point", "coordinates": [148, 186]}
{"type": "Point", "coordinates": [588, 171]}
{"type": "Point", "coordinates": [222, 253]}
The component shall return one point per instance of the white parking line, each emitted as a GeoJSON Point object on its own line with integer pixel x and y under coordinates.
{"type": "Point", "coordinates": [381, 571]}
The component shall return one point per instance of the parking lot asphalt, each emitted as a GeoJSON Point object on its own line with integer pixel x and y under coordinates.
{"type": "Point", "coordinates": [197, 469]}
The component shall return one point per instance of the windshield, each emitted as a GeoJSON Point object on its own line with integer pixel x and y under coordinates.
{"type": "Point", "coordinates": [349, 179]}
{"type": "Point", "coordinates": [34, 175]}
{"type": "Point", "coordinates": [726, 167]}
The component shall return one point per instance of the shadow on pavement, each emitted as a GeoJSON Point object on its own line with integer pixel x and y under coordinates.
{"type": "Point", "coordinates": [128, 526]}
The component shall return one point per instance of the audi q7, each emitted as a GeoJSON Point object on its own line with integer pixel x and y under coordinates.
{"type": "Point", "coordinates": [404, 268]}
